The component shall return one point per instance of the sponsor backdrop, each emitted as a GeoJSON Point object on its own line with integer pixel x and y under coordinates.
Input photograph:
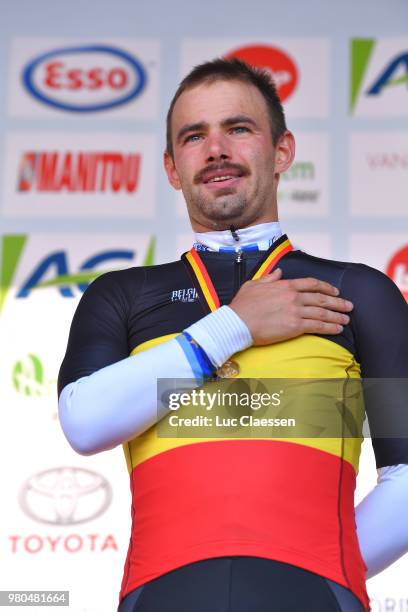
{"type": "Point", "coordinates": [85, 90]}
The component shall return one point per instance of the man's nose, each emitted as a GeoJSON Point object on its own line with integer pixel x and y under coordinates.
{"type": "Point", "coordinates": [217, 147]}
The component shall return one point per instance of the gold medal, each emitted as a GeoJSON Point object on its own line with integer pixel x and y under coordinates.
{"type": "Point", "coordinates": [229, 369]}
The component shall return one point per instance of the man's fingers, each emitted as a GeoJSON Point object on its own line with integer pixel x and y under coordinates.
{"type": "Point", "coordinates": [275, 309]}
{"type": "Point", "coordinates": [271, 278]}
{"type": "Point", "coordinates": [276, 274]}
{"type": "Point", "coordinates": [325, 301]}
{"type": "Point", "coordinates": [310, 326]}
{"type": "Point", "coordinates": [315, 285]}
{"type": "Point", "coordinates": [310, 286]}
{"type": "Point", "coordinates": [323, 314]}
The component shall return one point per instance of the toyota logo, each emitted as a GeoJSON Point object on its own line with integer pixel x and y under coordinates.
{"type": "Point", "coordinates": [65, 496]}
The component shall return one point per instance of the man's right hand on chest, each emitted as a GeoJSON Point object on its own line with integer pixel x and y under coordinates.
{"type": "Point", "coordinates": [275, 309]}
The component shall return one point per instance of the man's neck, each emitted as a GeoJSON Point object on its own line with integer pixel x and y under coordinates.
{"type": "Point", "coordinates": [256, 237]}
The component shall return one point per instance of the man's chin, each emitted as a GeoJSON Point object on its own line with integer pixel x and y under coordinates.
{"type": "Point", "coordinates": [226, 214]}
{"type": "Point", "coordinates": [225, 204]}
{"type": "Point", "coordinates": [224, 191]}
{"type": "Point", "coordinates": [219, 212]}
{"type": "Point", "coordinates": [221, 220]}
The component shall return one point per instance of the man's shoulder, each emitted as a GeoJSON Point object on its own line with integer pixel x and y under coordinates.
{"type": "Point", "coordinates": [136, 274]}
{"type": "Point", "coordinates": [355, 270]}
{"type": "Point", "coordinates": [356, 281]}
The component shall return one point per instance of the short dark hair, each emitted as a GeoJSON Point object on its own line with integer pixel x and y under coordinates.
{"type": "Point", "coordinates": [234, 69]}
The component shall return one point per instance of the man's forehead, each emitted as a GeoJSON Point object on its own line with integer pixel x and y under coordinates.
{"type": "Point", "coordinates": [218, 97]}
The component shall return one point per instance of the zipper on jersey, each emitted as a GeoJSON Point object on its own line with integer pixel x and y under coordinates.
{"type": "Point", "coordinates": [238, 272]}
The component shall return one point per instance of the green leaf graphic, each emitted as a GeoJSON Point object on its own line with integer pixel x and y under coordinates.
{"type": "Point", "coordinates": [361, 50]}
{"type": "Point", "coordinates": [71, 279]}
{"type": "Point", "coordinates": [149, 257]}
{"type": "Point", "coordinates": [399, 81]}
{"type": "Point", "coordinates": [88, 277]}
{"type": "Point", "coordinates": [10, 256]}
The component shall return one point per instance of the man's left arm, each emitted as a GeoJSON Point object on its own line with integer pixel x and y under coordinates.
{"type": "Point", "coordinates": [380, 325]}
{"type": "Point", "coordinates": [381, 519]}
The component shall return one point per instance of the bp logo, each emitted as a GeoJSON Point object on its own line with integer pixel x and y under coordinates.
{"type": "Point", "coordinates": [29, 379]}
{"type": "Point", "coordinates": [56, 265]}
{"type": "Point", "coordinates": [378, 77]}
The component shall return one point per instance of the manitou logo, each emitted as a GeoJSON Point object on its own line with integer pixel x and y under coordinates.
{"type": "Point", "coordinates": [397, 269]}
{"type": "Point", "coordinates": [52, 171]}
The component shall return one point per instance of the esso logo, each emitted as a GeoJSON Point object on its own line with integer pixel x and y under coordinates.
{"type": "Point", "coordinates": [281, 66]}
{"type": "Point", "coordinates": [397, 270]}
{"type": "Point", "coordinates": [84, 79]}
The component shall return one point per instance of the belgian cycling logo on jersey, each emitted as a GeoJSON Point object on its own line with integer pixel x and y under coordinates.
{"type": "Point", "coordinates": [184, 295]}
{"type": "Point", "coordinates": [56, 265]}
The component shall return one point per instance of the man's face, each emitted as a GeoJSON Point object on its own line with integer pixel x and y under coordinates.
{"type": "Point", "coordinates": [224, 159]}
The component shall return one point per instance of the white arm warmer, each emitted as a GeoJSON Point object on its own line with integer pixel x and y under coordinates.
{"type": "Point", "coordinates": [119, 402]}
{"type": "Point", "coordinates": [382, 523]}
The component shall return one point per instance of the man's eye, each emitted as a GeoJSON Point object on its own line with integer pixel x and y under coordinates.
{"type": "Point", "coordinates": [239, 129]}
{"type": "Point", "coordinates": [192, 137]}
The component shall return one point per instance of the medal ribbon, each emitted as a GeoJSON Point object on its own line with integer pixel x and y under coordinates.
{"type": "Point", "coordinates": [203, 282]}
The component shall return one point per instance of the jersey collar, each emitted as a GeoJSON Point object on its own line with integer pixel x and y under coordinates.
{"type": "Point", "coordinates": [258, 237]}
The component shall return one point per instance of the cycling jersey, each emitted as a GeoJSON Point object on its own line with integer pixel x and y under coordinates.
{"type": "Point", "coordinates": [291, 501]}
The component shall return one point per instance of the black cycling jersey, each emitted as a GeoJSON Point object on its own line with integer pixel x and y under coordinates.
{"type": "Point", "coordinates": [124, 309]}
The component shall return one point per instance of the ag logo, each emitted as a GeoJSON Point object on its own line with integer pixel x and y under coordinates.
{"type": "Point", "coordinates": [281, 66]}
{"type": "Point", "coordinates": [29, 378]}
{"type": "Point", "coordinates": [397, 270]}
{"type": "Point", "coordinates": [379, 77]}
{"type": "Point", "coordinates": [56, 264]}
{"type": "Point", "coordinates": [85, 78]}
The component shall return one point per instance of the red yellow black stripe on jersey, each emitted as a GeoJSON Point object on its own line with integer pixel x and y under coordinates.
{"type": "Point", "coordinates": [288, 500]}
{"type": "Point", "coordinates": [204, 284]}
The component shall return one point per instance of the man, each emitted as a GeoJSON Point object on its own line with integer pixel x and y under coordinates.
{"type": "Point", "coordinates": [241, 524]}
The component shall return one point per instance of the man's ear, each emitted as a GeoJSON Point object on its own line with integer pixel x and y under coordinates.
{"type": "Point", "coordinates": [284, 152]}
{"type": "Point", "coordinates": [171, 171]}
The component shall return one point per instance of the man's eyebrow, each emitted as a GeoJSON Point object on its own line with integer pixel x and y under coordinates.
{"type": "Point", "coordinates": [190, 127]}
{"type": "Point", "coordinates": [201, 125]}
{"type": "Point", "coordinates": [238, 119]}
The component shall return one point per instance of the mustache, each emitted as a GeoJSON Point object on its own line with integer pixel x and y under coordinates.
{"type": "Point", "coordinates": [199, 177]}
